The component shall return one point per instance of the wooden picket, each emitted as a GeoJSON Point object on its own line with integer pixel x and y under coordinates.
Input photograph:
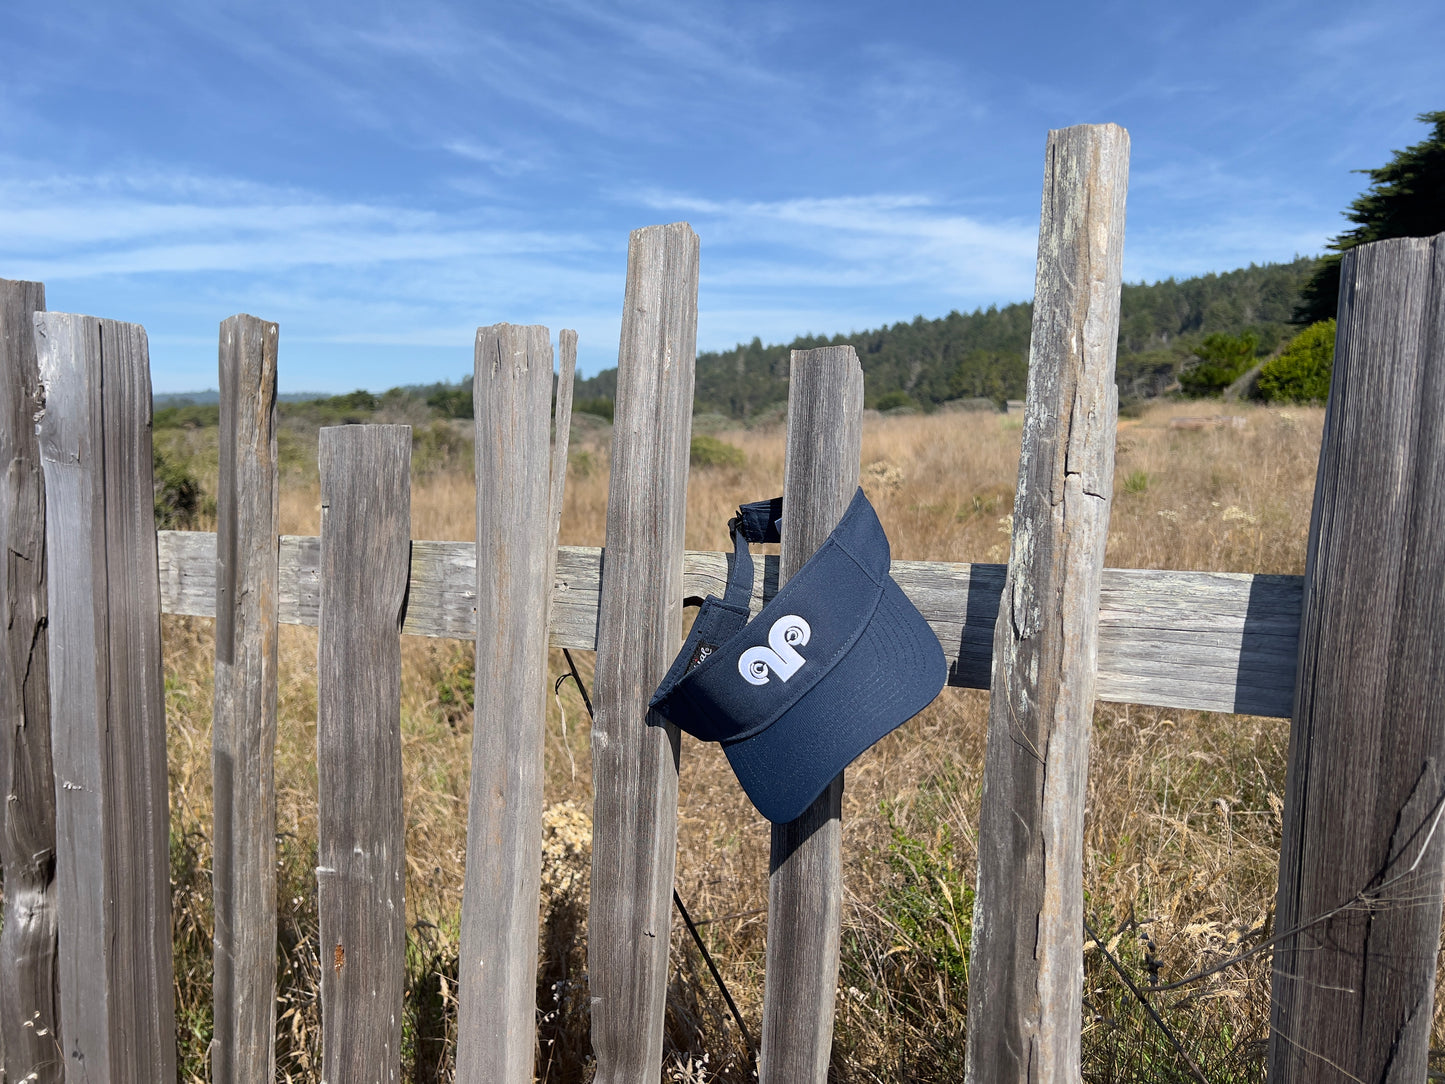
{"type": "Point", "coordinates": [496, 1018]}
{"type": "Point", "coordinates": [805, 868]}
{"type": "Point", "coordinates": [108, 727]}
{"type": "Point", "coordinates": [360, 829]}
{"type": "Point", "coordinates": [1026, 969]}
{"type": "Point", "coordinates": [29, 1013]}
{"type": "Point", "coordinates": [243, 719]}
{"type": "Point", "coordinates": [639, 629]}
{"type": "Point", "coordinates": [1354, 991]}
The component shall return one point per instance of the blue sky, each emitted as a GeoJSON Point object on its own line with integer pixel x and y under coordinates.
{"type": "Point", "coordinates": [382, 178]}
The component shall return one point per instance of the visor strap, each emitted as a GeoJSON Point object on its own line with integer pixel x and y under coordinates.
{"type": "Point", "coordinates": [740, 578]}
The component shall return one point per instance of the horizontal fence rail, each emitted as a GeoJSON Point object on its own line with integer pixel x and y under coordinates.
{"type": "Point", "coordinates": [1207, 641]}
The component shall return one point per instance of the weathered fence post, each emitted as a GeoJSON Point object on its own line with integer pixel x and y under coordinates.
{"type": "Point", "coordinates": [634, 765]}
{"type": "Point", "coordinates": [108, 727]}
{"type": "Point", "coordinates": [562, 424]}
{"type": "Point", "coordinates": [243, 736]}
{"type": "Point", "coordinates": [497, 1017]}
{"type": "Point", "coordinates": [1026, 967]}
{"type": "Point", "coordinates": [1361, 861]}
{"type": "Point", "coordinates": [365, 556]}
{"type": "Point", "coordinates": [29, 1014]}
{"type": "Point", "coordinates": [805, 885]}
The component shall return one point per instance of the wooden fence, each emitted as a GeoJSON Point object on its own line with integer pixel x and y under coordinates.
{"type": "Point", "coordinates": [1353, 651]}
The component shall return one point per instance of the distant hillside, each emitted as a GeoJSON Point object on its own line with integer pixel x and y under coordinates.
{"type": "Point", "coordinates": [161, 400]}
{"type": "Point", "coordinates": [985, 353]}
{"type": "Point", "coordinates": [925, 363]}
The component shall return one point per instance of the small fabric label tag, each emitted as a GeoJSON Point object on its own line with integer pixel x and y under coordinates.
{"type": "Point", "coordinates": [701, 652]}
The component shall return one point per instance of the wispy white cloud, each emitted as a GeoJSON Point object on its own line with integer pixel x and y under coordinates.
{"type": "Point", "coordinates": [887, 240]}
{"type": "Point", "coordinates": [502, 162]}
{"type": "Point", "coordinates": [68, 226]}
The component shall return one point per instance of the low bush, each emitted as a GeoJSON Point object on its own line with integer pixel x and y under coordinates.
{"type": "Point", "coordinates": [1301, 373]}
{"type": "Point", "coordinates": [600, 406]}
{"type": "Point", "coordinates": [894, 400]}
{"type": "Point", "coordinates": [179, 498]}
{"type": "Point", "coordinates": [710, 452]}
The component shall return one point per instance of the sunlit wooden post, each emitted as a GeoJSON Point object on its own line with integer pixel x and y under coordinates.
{"type": "Point", "coordinates": [107, 698]}
{"type": "Point", "coordinates": [243, 730]}
{"type": "Point", "coordinates": [497, 1017]}
{"type": "Point", "coordinates": [360, 826]}
{"type": "Point", "coordinates": [805, 884]}
{"type": "Point", "coordinates": [1026, 967]}
{"type": "Point", "coordinates": [1360, 875]}
{"type": "Point", "coordinates": [634, 765]}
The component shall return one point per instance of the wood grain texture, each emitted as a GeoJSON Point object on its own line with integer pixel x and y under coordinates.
{"type": "Point", "coordinates": [1026, 965]}
{"type": "Point", "coordinates": [497, 1016]}
{"type": "Point", "coordinates": [805, 870]}
{"type": "Point", "coordinates": [29, 1013]}
{"type": "Point", "coordinates": [108, 728]}
{"type": "Point", "coordinates": [243, 733]}
{"type": "Point", "coordinates": [1207, 641]}
{"type": "Point", "coordinates": [1353, 995]}
{"type": "Point", "coordinates": [365, 537]}
{"type": "Point", "coordinates": [634, 758]}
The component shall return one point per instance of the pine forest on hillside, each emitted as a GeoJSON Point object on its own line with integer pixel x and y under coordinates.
{"type": "Point", "coordinates": [984, 354]}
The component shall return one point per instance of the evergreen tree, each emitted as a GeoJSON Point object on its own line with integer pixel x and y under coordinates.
{"type": "Point", "coordinates": [1219, 361]}
{"type": "Point", "coordinates": [1406, 199]}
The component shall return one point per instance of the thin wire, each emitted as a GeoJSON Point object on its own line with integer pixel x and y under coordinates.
{"type": "Point", "coordinates": [1363, 897]}
{"type": "Point", "coordinates": [716, 975]}
{"type": "Point", "coordinates": [676, 899]}
{"type": "Point", "coordinates": [1148, 1006]}
{"type": "Point", "coordinates": [572, 666]}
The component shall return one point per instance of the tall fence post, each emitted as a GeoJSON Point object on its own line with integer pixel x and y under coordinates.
{"type": "Point", "coordinates": [805, 884]}
{"type": "Point", "coordinates": [634, 765]}
{"type": "Point", "coordinates": [1361, 861]}
{"type": "Point", "coordinates": [1026, 967]}
{"type": "Point", "coordinates": [29, 1014]}
{"type": "Point", "coordinates": [243, 735]}
{"type": "Point", "coordinates": [365, 557]}
{"type": "Point", "coordinates": [497, 1016]}
{"type": "Point", "coordinates": [108, 727]}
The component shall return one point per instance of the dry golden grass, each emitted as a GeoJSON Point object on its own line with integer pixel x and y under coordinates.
{"type": "Point", "coordinates": [1183, 814]}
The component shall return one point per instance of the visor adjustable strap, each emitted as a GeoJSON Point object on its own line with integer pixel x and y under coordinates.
{"type": "Point", "coordinates": [756, 522]}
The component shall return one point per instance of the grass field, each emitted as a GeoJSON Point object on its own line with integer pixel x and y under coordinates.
{"type": "Point", "coordinates": [1183, 820]}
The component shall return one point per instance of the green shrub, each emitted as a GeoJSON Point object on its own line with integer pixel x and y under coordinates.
{"type": "Point", "coordinates": [600, 405]}
{"type": "Point", "coordinates": [179, 498]}
{"type": "Point", "coordinates": [710, 452]}
{"type": "Point", "coordinates": [186, 416]}
{"type": "Point", "coordinates": [1301, 373]}
{"type": "Point", "coordinates": [1136, 481]}
{"type": "Point", "coordinates": [437, 447]}
{"type": "Point", "coordinates": [929, 903]}
{"type": "Point", "coordinates": [581, 463]}
{"type": "Point", "coordinates": [893, 400]}
{"type": "Point", "coordinates": [451, 401]}
{"type": "Point", "coordinates": [1220, 360]}
{"type": "Point", "coordinates": [456, 689]}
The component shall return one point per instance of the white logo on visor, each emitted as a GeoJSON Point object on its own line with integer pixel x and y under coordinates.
{"type": "Point", "coordinates": [781, 657]}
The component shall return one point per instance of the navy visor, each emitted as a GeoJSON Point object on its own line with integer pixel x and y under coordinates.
{"type": "Point", "coordinates": [836, 660]}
